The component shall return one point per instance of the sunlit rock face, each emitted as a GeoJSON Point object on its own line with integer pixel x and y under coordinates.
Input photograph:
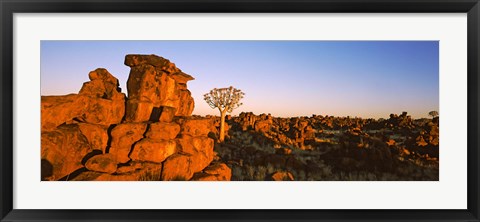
{"type": "Point", "coordinates": [154, 82]}
{"type": "Point", "coordinates": [123, 137]}
{"type": "Point", "coordinates": [62, 151]}
{"type": "Point", "coordinates": [99, 101]}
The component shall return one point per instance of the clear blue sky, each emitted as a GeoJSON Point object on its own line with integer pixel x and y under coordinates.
{"type": "Point", "coordinates": [284, 78]}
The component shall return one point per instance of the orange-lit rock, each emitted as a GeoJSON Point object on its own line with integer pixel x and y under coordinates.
{"type": "Point", "coordinates": [185, 103]}
{"type": "Point", "coordinates": [138, 111]}
{"type": "Point", "coordinates": [102, 84]}
{"type": "Point", "coordinates": [196, 126]}
{"type": "Point", "coordinates": [215, 172]}
{"type": "Point", "coordinates": [56, 110]}
{"type": "Point", "coordinates": [154, 60]}
{"type": "Point", "coordinates": [391, 142]}
{"type": "Point", "coordinates": [263, 125]}
{"type": "Point", "coordinates": [201, 176]}
{"type": "Point", "coordinates": [104, 163]}
{"type": "Point", "coordinates": [99, 102]}
{"type": "Point", "coordinates": [167, 113]}
{"type": "Point", "coordinates": [284, 151]}
{"type": "Point", "coordinates": [103, 111]}
{"type": "Point", "coordinates": [123, 137]}
{"type": "Point", "coordinates": [96, 135]}
{"type": "Point", "coordinates": [153, 150]}
{"type": "Point", "coordinates": [177, 167]}
{"type": "Point", "coordinates": [421, 141]}
{"type": "Point", "coordinates": [282, 176]}
{"type": "Point", "coordinates": [137, 172]}
{"type": "Point", "coordinates": [200, 149]}
{"type": "Point", "coordinates": [155, 82]}
{"type": "Point", "coordinates": [163, 131]}
{"type": "Point", "coordinates": [62, 151]}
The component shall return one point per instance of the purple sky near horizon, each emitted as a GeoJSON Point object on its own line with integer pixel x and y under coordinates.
{"type": "Point", "coordinates": [369, 79]}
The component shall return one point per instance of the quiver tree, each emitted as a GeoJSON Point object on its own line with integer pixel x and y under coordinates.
{"type": "Point", "coordinates": [433, 114]}
{"type": "Point", "coordinates": [226, 100]}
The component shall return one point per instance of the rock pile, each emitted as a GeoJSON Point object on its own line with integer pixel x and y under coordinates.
{"type": "Point", "coordinates": [99, 134]}
{"type": "Point", "coordinates": [332, 148]}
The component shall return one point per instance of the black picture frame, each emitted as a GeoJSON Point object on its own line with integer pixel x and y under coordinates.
{"type": "Point", "coordinates": [9, 7]}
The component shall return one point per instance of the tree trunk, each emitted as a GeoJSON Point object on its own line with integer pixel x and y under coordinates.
{"type": "Point", "coordinates": [222, 125]}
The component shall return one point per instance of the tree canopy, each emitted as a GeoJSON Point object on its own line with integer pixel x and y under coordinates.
{"type": "Point", "coordinates": [226, 99]}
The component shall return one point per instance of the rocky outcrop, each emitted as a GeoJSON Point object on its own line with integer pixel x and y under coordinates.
{"type": "Point", "coordinates": [100, 101]}
{"type": "Point", "coordinates": [400, 121]}
{"type": "Point", "coordinates": [98, 134]}
{"type": "Point", "coordinates": [154, 82]}
{"type": "Point", "coordinates": [62, 151]}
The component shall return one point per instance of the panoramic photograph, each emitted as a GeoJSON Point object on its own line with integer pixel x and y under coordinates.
{"type": "Point", "coordinates": [239, 110]}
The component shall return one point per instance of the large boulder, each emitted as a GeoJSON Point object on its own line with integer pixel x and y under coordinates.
{"type": "Point", "coordinates": [96, 135]}
{"type": "Point", "coordinates": [100, 101]}
{"type": "Point", "coordinates": [263, 126]}
{"type": "Point", "coordinates": [167, 113]}
{"type": "Point", "coordinates": [214, 172]}
{"type": "Point", "coordinates": [196, 126]}
{"type": "Point", "coordinates": [104, 163]}
{"type": "Point", "coordinates": [200, 150]}
{"type": "Point", "coordinates": [102, 84]}
{"type": "Point", "coordinates": [153, 150]}
{"type": "Point", "coordinates": [62, 151]}
{"type": "Point", "coordinates": [246, 120]}
{"type": "Point", "coordinates": [163, 131]}
{"type": "Point", "coordinates": [177, 167]}
{"type": "Point", "coordinates": [155, 82]}
{"type": "Point", "coordinates": [123, 136]}
{"type": "Point", "coordinates": [57, 110]}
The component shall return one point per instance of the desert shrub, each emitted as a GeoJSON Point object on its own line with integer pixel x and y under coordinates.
{"type": "Point", "coordinates": [150, 176]}
{"type": "Point", "coordinates": [237, 172]}
{"type": "Point", "coordinates": [249, 172]}
{"type": "Point", "coordinates": [388, 177]}
{"type": "Point", "coordinates": [260, 173]}
{"type": "Point", "coordinates": [270, 169]}
{"type": "Point", "coordinates": [300, 175]}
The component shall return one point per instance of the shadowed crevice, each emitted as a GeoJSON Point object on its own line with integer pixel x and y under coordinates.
{"type": "Point", "coordinates": [90, 155]}
{"type": "Point", "coordinates": [155, 115]}
{"type": "Point", "coordinates": [109, 134]}
{"type": "Point", "coordinates": [73, 174]}
{"type": "Point", "coordinates": [46, 169]}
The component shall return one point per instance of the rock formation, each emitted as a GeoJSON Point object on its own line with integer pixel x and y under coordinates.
{"type": "Point", "coordinates": [100, 101]}
{"type": "Point", "coordinates": [99, 134]}
{"type": "Point", "coordinates": [154, 83]}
